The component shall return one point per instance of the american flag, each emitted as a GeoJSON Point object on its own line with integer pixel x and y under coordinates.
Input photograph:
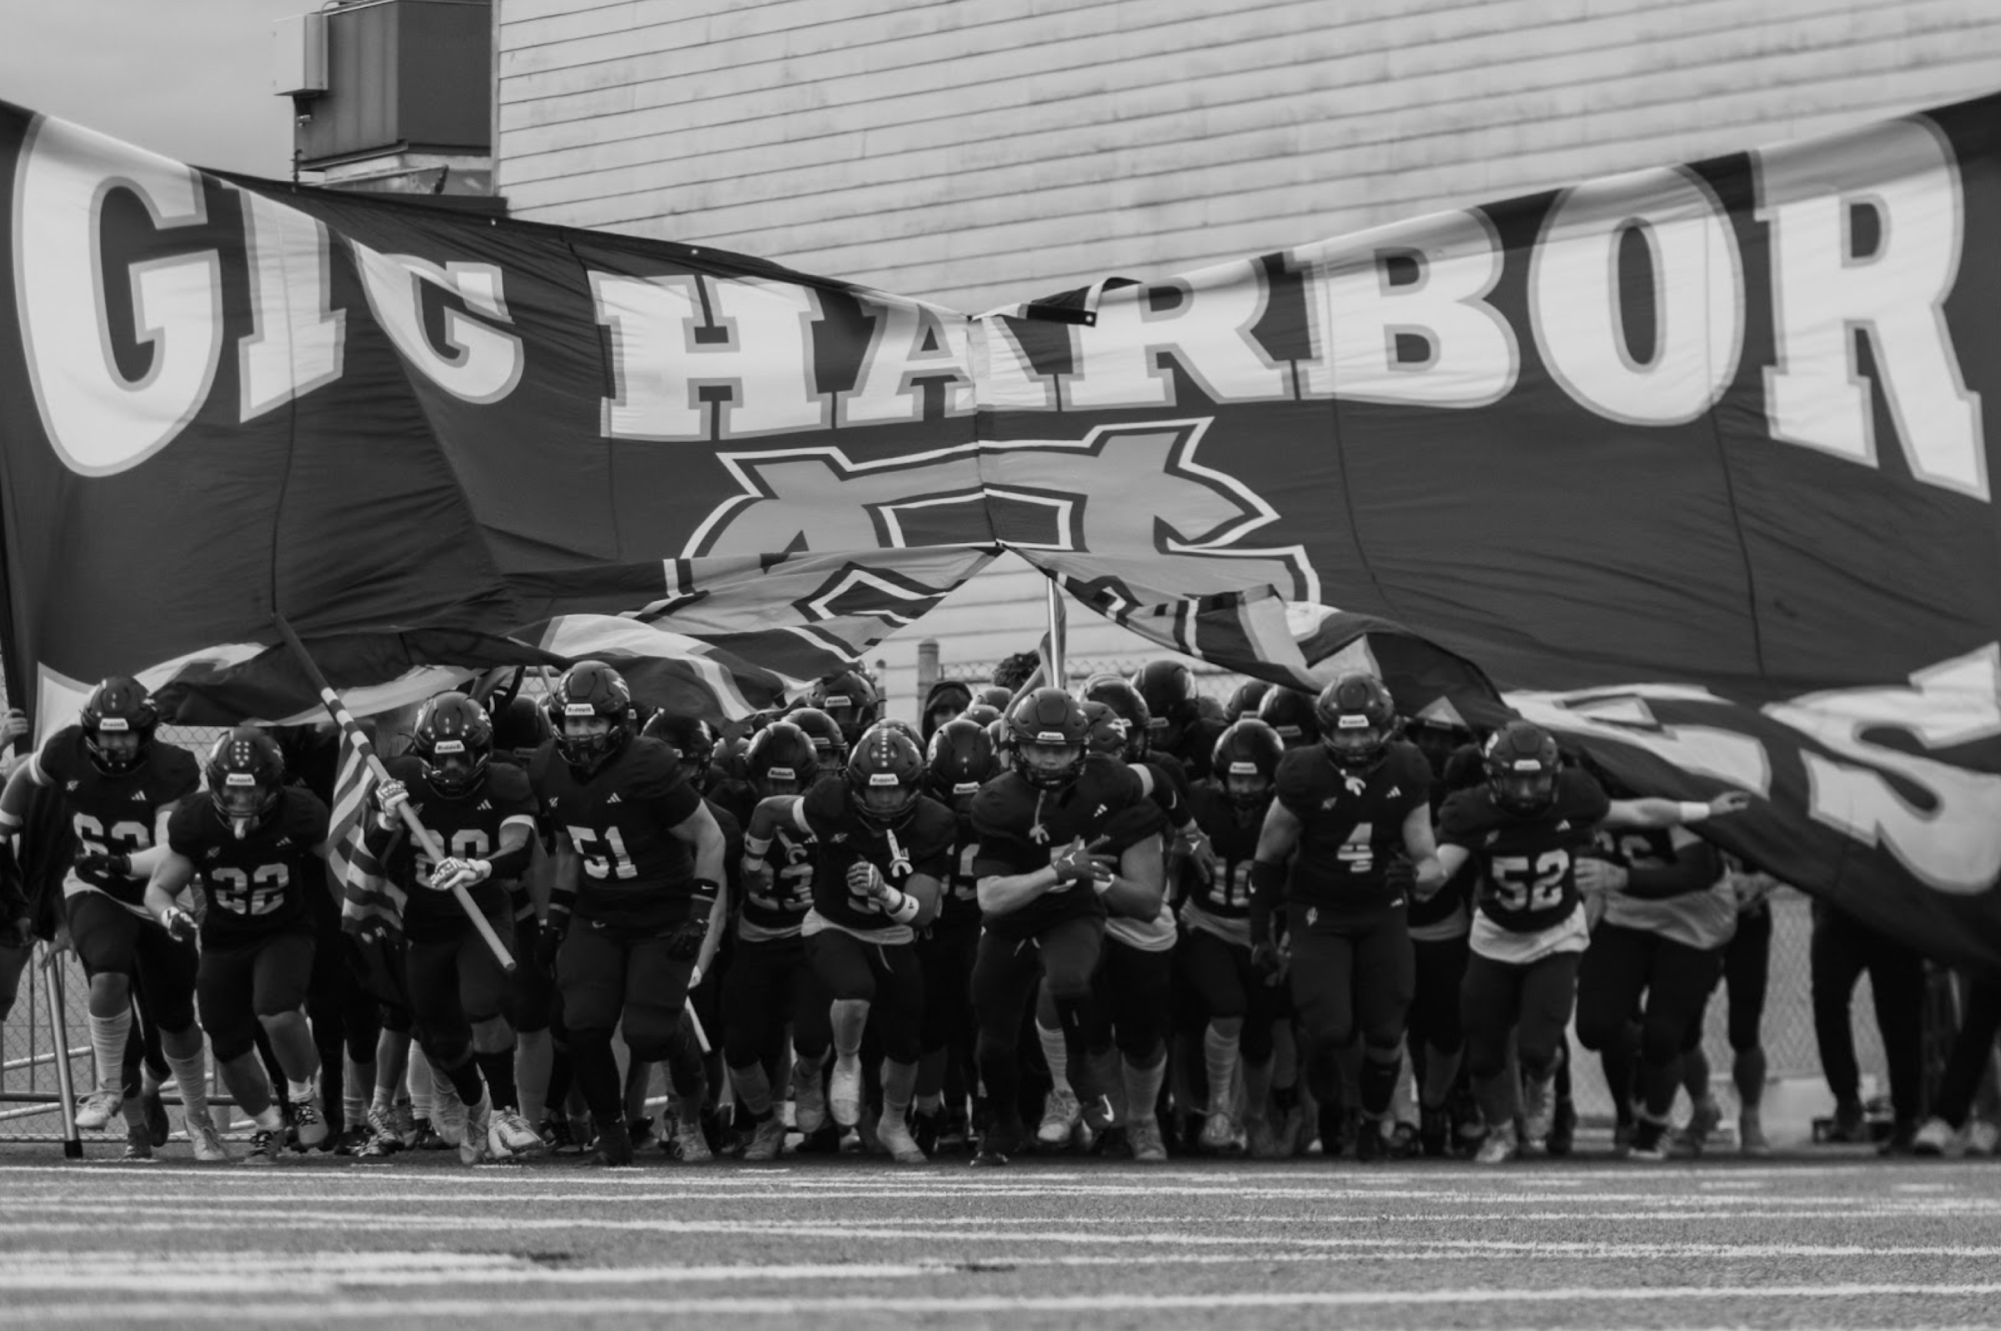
{"type": "Point", "coordinates": [369, 902]}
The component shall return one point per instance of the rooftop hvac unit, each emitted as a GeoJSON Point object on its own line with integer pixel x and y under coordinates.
{"type": "Point", "coordinates": [299, 55]}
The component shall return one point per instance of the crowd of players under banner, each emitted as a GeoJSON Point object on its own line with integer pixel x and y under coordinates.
{"type": "Point", "coordinates": [1126, 921]}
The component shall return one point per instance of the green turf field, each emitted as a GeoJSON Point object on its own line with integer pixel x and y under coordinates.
{"type": "Point", "coordinates": [1828, 1241]}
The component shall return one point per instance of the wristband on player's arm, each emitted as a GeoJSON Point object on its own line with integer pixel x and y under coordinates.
{"type": "Point", "coordinates": [756, 847]}
{"type": "Point", "coordinates": [511, 863]}
{"type": "Point", "coordinates": [706, 891]}
{"type": "Point", "coordinates": [905, 908]}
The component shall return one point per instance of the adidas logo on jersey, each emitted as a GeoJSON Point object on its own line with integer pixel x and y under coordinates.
{"type": "Point", "coordinates": [611, 798]}
{"type": "Point", "coordinates": [1563, 826]}
{"type": "Point", "coordinates": [70, 785]}
{"type": "Point", "coordinates": [1100, 812]}
{"type": "Point", "coordinates": [485, 806]}
{"type": "Point", "coordinates": [139, 796]}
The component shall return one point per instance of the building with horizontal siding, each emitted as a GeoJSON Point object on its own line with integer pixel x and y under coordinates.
{"type": "Point", "coordinates": [980, 153]}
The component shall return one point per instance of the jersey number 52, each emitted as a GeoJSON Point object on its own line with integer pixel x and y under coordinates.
{"type": "Point", "coordinates": [1522, 886]}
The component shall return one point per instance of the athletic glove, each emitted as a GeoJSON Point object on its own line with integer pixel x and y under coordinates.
{"type": "Point", "coordinates": [178, 923]}
{"type": "Point", "coordinates": [685, 943]}
{"type": "Point", "coordinates": [1266, 958]}
{"type": "Point", "coordinates": [1074, 863]}
{"type": "Point", "coordinates": [390, 795]}
{"type": "Point", "coordinates": [865, 880]}
{"type": "Point", "coordinates": [111, 864]}
{"type": "Point", "coordinates": [1400, 876]}
{"type": "Point", "coordinates": [454, 872]}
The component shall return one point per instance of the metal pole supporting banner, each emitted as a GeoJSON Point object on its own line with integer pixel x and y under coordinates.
{"type": "Point", "coordinates": [52, 981]}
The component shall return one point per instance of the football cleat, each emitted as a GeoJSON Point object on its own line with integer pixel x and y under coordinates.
{"type": "Point", "coordinates": [1649, 1145]}
{"type": "Point", "coordinates": [1499, 1146]}
{"type": "Point", "coordinates": [311, 1122]}
{"type": "Point", "coordinates": [1751, 1138]}
{"type": "Point", "coordinates": [448, 1116]}
{"type": "Point", "coordinates": [1219, 1132]}
{"type": "Point", "coordinates": [614, 1144]}
{"type": "Point", "coordinates": [1702, 1122]}
{"type": "Point", "coordinates": [1337, 1132]}
{"type": "Point", "coordinates": [1143, 1135]}
{"type": "Point", "coordinates": [894, 1135]}
{"type": "Point", "coordinates": [472, 1137]}
{"type": "Point", "coordinates": [99, 1108]}
{"type": "Point", "coordinates": [767, 1142]}
{"type": "Point", "coordinates": [157, 1122]}
{"type": "Point", "coordinates": [1261, 1141]}
{"type": "Point", "coordinates": [403, 1124]}
{"type": "Point", "coordinates": [384, 1136]}
{"type": "Point", "coordinates": [1371, 1145]}
{"type": "Point", "coordinates": [139, 1142]}
{"type": "Point", "coordinates": [689, 1143]}
{"type": "Point", "coordinates": [1851, 1123]}
{"type": "Point", "coordinates": [926, 1128]}
{"type": "Point", "coordinates": [844, 1091]}
{"type": "Point", "coordinates": [508, 1135]}
{"type": "Point", "coordinates": [1060, 1115]}
{"type": "Point", "coordinates": [1936, 1137]}
{"type": "Point", "coordinates": [1434, 1132]}
{"type": "Point", "coordinates": [1982, 1138]}
{"type": "Point", "coordinates": [809, 1100]}
{"type": "Point", "coordinates": [208, 1144]}
{"type": "Point", "coordinates": [267, 1145]}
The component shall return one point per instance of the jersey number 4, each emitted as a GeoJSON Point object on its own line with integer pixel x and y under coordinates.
{"type": "Point", "coordinates": [1522, 886]}
{"type": "Point", "coordinates": [612, 861]}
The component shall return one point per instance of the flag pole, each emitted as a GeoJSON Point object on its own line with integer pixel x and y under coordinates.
{"type": "Point", "coordinates": [338, 710]}
{"type": "Point", "coordinates": [1053, 607]}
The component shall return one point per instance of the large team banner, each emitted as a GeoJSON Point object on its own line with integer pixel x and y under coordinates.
{"type": "Point", "coordinates": [1691, 463]}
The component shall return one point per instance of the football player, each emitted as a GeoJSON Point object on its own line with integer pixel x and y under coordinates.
{"type": "Point", "coordinates": [1175, 715]}
{"type": "Point", "coordinates": [850, 699]}
{"type": "Point", "coordinates": [641, 859]}
{"type": "Point", "coordinates": [1666, 912]}
{"type": "Point", "coordinates": [118, 784]}
{"type": "Point", "coordinates": [961, 760]}
{"type": "Point", "coordinates": [826, 734]}
{"type": "Point", "coordinates": [483, 816]}
{"type": "Point", "coordinates": [1355, 808]}
{"type": "Point", "coordinates": [1047, 868]}
{"type": "Point", "coordinates": [519, 729]}
{"type": "Point", "coordinates": [1239, 1001]}
{"type": "Point", "coordinates": [883, 850]}
{"type": "Point", "coordinates": [769, 983]}
{"type": "Point", "coordinates": [257, 846]}
{"type": "Point", "coordinates": [944, 701]}
{"type": "Point", "coordinates": [1290, 713]}
{"type": "Point", "coordinates": [1439, 925]}
{"type": "Point", "coordinates": [1526, 824]}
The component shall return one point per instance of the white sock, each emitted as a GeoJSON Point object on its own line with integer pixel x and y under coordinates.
{"type": "Point", "coordinates": [1056, 1054]}
{"type": "Point", "coordinates": [107, 1047]}
{"type": "Point", "coordinates": [191, 1075]}
{"type": "Point", "coordinates": [421, 1099]}
{"type": "Point", "coordinates": [300, 1090]}
{"type": "Point", "coordinates": [1219, 1059]}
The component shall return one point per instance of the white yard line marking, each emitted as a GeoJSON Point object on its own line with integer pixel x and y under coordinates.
{"type": "Point", "coordinates": [651, 1308]}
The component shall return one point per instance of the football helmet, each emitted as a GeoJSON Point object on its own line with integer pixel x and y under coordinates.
{"type": "Point", "coordinates": [782, 760]}
{"type": "Point", "coordinates": [454, 741]}
{"type": "Point", "coordinates": [689, 736]}
{"type": "Point", "coordinates": [1048, 735]}
{"type": "Point", "coordinates": [1522, 761]}
{"type": "Point", "coordinates": [519, 729]}
{"type": "Point", "coordinates": [1290, 713]}
{"type": "Point", "coordinates": [981, 714]}
{"type": "Point", "coordinates": [118, 706]}
{"type": "Point", "coordinates": [1246, 762]}
{"type": "Point", "coordinates": [246, 774]}
{"type": "Point", "coordinates": [962, 759]}
{"type": "Point", "coordinates": [1357, 719]}
{"type": "Point", "coordinates": [850, 699]}
{"type": "Point", "coordinates": [1244, 702]}
{"type": "Point", "coordinates": [588, 690]}
{"type": "Point", "coordinates": [1109, 736]}
{"type": "Point", "coordinates": [826, 734]}
{"type": "Point", "coordinates": [994, 696]}
{"type": "Point", "coordinates": [1168, 689]}
{"type": "Point", "coordinates": [1129, 707]}
{"type": "Point", "coordinates": [885, 776]}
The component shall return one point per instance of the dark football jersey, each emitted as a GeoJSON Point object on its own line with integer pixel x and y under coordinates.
{"type": "Point", "coordinates": [776, 910]}
{"type": "Point", "coordinates": [1195, 746]}
{"type": "Point", "coordinates": [1462, 770]}
{"type": "Point", "coordinates": [1528, 862]}
{"type": "Point", "coordinates": [466, 826]}
{"type": "Point", "coordinates": [1020, 826]}
{"type": "Point", "coordinates": [1350, 825]}
{"type": "Point", "coordinates": [1227, 895]}
{"type": "Point", "coordinates": [257, 885]}
{"type": "Point", "coordinates": [960, 903]}
{"type": "Point", "coordinates": [923, 845]}
{"type": "Point", "coordinates": [735, 796]}
{"type": "Point", "coordinates": [635, 871]}
{"type": "Point", "coordinates": [114, 813]}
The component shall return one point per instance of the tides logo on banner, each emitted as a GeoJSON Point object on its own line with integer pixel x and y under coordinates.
{"type": "Point", "coordinates": [1125, 500]}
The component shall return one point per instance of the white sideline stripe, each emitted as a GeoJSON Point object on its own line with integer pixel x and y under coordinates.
{"type": "Point", "coordinates": [651, 1308]}
{"type": "Point", "coordinates": [157, 1218]}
